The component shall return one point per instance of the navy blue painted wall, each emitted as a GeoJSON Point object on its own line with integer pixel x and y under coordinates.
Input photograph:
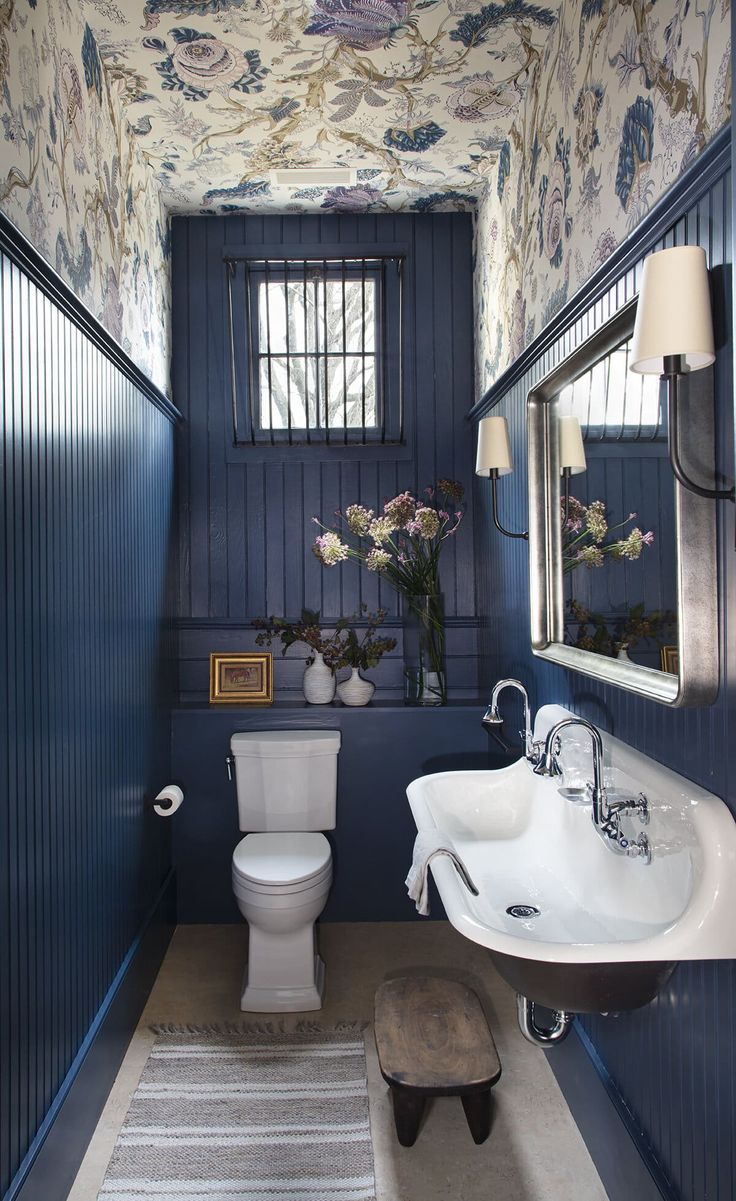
{"type": "Point", "coordinates": [672, 1065]}
{"type": "Point", "coordinates": [384, 747]}
{"type": "Point", "coordinates": [245, 530]}
{"type": "Point", "coordinates": [84, 538]}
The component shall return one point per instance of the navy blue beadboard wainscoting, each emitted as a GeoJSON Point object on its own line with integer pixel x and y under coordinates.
{"type": "Point", "coordinates": [245, 531]}
{"type": "Point", "coordinates": [667, 1070]}
{"type": "Point", "coordinates": [384, 747]}
{"type": "Point", "coordinates": [85, 868]}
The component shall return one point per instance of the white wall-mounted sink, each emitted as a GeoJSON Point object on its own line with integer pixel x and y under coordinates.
{"type": "Point", "coordinates": [524, 844]}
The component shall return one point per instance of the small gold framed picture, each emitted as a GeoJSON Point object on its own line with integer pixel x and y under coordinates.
{"type": "Point", "coordinates": [670, 660]}
{"type": "Point", "coordinates": [245, 679]}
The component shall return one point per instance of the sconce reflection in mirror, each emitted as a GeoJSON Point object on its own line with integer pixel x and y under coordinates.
{"type": "Point", "coordinates": [673, 336]}
{"type": "Point", "coordinates": [494, 459]}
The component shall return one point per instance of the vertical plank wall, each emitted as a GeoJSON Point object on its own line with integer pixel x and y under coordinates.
{"type": "Point", "coordinates": [84, 531]}
{"type": "Point", "coordinates": [673, 1064]}
{"type": "Point", "coordinates": [245, 519]}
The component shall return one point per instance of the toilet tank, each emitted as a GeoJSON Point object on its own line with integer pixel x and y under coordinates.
{"type": "Point", "coordinates": [286, 779]}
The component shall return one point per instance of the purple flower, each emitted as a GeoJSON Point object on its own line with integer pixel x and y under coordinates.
{"type": "Point", "coordinates": [351, 200]}
{"type": "Point", "coordinates": [363, 24]}
{"type": "Point", "coordinates": [329, 549]}
{"type": "Point", "coordinates": [400, 509]}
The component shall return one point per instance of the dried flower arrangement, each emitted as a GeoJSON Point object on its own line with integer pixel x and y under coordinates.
{"type": "Point", "coordinates": [586, 537]}
{"type": "Point", "coordinates": [605, 637]}
{"type": "Point", "coordinates": [339, 646]}
{"type": "Point", "coordinates": [403, 542]}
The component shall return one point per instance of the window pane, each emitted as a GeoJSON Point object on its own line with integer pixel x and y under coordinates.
{"type": "Point", "coordinates": [317, 347]}
{"type": "Point", "coordinates": [348, 402]}
{"type": "Point", "coordinates": [611, 401]}
{"type": "Point", "coordinates": [304, 382]}
{"type": "Point", "coordinates": [355, 308]}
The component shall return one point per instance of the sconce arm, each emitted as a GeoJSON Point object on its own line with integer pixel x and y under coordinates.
{"type": "Point", "coordinates": [672, 375]}
{"type": "Point", "coordinates": [496, 522]}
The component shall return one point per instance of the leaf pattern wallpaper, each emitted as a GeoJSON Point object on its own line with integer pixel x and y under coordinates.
{"type": "Point", "coordinates": [620, 101]}
{"type": "Point", "coordinates": [557, 125]}
{"type": "Point", "coordinates": [73, 181]}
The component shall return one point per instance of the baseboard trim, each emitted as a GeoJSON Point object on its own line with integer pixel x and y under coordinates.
{"type": "Point", "coordinates": [52, 1161]}
{"type": "Point", "coordinates": [620, 1152]}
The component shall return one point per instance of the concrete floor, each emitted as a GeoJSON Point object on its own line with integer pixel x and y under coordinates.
{"type": "Point", "coordinates": [534, 1153]}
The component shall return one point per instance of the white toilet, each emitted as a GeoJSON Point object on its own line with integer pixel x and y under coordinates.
{"type": "Point", "coordinates": [286, 782]}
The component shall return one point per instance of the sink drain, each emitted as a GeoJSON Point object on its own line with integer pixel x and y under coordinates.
{"type": "Point", "coordinates": [523, 911]}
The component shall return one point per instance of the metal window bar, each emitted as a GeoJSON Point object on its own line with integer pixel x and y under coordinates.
{"type": "Point", "coordinates": [400, 350]}
{"type": "Point", "coordinates": [344, 359]}
{"type": "Point", "coordinates": [324, 343]}
{"type": "Point", "coordinates": [288, 348]}
{"type": "Point", "coordinates": [231, 268]}
{"type": "Point", "coordinates": [306, 350]}
{"type": "Point", "coordinates": [283, 271]}
{"type": "Point", "coordinates": [632, 404]}
{"type": "Point", "coordinates": [268, 360]}
{"type": "Point", "coordinates": [381, 315]}
{"type": "Point", "coordinates": [251, 380]}
{"type": "Point", "coordinates": [362, 349]}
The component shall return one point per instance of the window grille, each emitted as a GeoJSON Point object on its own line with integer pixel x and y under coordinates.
{"type": "Point", "coordinates": [614, 404]}
{"type": "Point", "coordinates": [315, 350]}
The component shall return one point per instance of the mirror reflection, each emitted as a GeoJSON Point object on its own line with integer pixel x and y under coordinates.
{"type": "Point", "coordinates": [617, 497]}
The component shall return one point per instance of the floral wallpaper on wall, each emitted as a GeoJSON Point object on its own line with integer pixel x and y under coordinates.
{"type": "Point", "coordinates": [622, 97]}
{"type": "Point", "coordinates": [73, 181]}
{"type": "Point", "coordinates": [415, 95]}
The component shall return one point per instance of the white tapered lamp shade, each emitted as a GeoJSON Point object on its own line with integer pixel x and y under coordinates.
{"type": "Point", "coordinates": [673, 316]}
{"type": "Point", "coordinates": [572, 450]}
{"type": "Point", "coordinates": [494, 447]}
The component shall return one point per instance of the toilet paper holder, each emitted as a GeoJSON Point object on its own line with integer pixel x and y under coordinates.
{"type": "Point", "coordinates": [167, 801]}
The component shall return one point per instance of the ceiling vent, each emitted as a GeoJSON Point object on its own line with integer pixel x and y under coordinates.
{"type": "Point", "coordinates": [315, 177]}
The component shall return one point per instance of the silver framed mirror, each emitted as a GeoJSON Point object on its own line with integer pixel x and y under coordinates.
{"type": "Point", "coordinates": [598, 582]}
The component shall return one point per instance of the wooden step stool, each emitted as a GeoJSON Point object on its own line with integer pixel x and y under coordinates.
{"type": "Point", "coordinates": [433, 1041]}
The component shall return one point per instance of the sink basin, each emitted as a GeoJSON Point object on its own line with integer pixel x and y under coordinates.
{"type": "Point", "coordinates": [609, 930]}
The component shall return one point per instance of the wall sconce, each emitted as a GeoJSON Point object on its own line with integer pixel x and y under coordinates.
{"type": "Point", "coordinates": [494, 459]}
{"type": "Point", "coordinates": [572, 455]}
{"type": "Point", "coordinates": [673, 336]}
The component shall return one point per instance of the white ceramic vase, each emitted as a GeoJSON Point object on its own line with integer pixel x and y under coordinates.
{"type": "Point", "coordinates": [319, 682]}
{"type": "Point", "coordinates": [355, 690]}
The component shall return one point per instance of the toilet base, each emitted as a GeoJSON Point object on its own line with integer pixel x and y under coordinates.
{"type": "Point", "coordinates": [285, 1000]}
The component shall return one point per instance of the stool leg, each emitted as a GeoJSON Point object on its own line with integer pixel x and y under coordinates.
{"type": "Point", "coordinates": [477, 1108]}
{"type": "Point", "coordinates": [408, 1110]}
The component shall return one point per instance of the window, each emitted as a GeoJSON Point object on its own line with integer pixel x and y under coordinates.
{"type": "Point", "coordinates": [316, 350]}
{"type": "Point", "coordinates": [613, 404]}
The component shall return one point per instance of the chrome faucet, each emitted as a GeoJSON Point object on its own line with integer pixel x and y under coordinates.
{"type": "Point", "coordinates": [492, 716]}
{"type": "Point", "coordinates": [606, 813]}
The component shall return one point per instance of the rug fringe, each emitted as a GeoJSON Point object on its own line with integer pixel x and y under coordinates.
{"type": "Point", "coordinates": [306, 1026]}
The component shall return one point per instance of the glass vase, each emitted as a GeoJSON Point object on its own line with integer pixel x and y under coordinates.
{"type": "Point", "coordinates": [424, 650]}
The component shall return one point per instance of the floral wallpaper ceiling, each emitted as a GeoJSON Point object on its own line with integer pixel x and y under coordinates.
{"type": "Point", "coordinates": [417, 95]}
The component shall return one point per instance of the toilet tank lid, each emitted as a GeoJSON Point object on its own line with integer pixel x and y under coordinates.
{"type": "Point", "coordinates": [281, 744]}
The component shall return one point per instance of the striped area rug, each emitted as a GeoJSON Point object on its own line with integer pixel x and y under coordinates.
{"type": "Point", "coordinates": [221, 1116]}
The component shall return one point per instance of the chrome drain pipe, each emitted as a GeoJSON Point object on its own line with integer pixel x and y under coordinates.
{"type": "Point", "coordinates": [542, 1036]}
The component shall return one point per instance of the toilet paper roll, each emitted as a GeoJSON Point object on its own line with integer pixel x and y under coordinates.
{"type": "Point", "coordinates": [168, 800]}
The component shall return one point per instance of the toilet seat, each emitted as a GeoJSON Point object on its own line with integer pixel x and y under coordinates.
{"type": "Point", "coordinates": [282, 863]}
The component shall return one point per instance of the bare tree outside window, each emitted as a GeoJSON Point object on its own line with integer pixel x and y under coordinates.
{"type": "Point", "coordinates": [318, 350]}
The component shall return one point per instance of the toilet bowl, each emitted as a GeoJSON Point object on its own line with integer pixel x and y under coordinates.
{"type": "Point", "coordinates": [281, 882]}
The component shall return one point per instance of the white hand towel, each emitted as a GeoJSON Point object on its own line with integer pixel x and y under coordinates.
{"type": "Point", "coordinates": [427, 844]}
